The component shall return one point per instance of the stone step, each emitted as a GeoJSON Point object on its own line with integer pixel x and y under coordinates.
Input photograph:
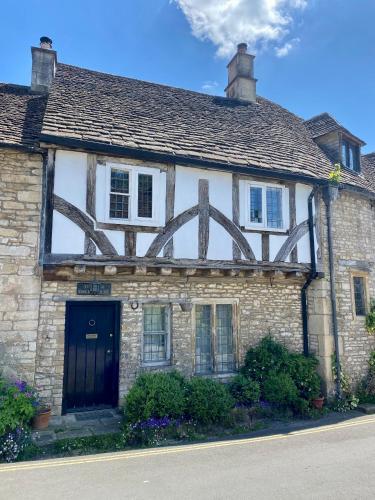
{"type": "Point", "coordinates": [367, 408]}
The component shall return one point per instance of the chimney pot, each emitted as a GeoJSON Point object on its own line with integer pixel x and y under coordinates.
{"type": "Point", "coordinates": [242, 48]}
{"type": "Point", "coordinates": [45, 42]}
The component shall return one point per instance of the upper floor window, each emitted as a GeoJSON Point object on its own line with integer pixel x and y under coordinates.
{"type": "Point", "coordinates": [132, 194]}
{"type": "Point", "coordinates": [350, 155]}
{"type": "Point", "coordinates": [266, 206]}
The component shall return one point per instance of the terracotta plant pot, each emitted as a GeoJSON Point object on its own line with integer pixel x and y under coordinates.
{"type": "Point", "coordinates": [318, 403]}
{"type": "Point", "coordinates": [41, 419]}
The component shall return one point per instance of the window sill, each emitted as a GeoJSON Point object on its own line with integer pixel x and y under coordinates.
{"type": "Point", "coordinates": [216, 375]}
{"type": "Point", "coordinates": [254, 229]}
{"type": "Point", "coordinates": [155, 364]}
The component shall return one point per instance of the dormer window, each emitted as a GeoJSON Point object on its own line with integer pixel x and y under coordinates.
{"type": "Point", "coordinates": [350, 155]}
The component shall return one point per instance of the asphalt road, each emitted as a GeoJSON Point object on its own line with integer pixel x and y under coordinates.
{"type": "Point", "coordinates": [331, 462]}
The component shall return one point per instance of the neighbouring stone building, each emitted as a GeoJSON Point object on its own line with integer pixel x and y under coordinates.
{"type": "Point", "coordinates": [144, 227]}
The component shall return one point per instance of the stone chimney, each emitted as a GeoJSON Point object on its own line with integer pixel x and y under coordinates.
{"type": "Point", "coordinates": [241, 81]}
{"type": "Point", "coordinates": [44, 61]}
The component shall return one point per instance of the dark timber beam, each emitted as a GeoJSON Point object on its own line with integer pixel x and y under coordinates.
{"type": "Point", "coordinates": [204, 218]}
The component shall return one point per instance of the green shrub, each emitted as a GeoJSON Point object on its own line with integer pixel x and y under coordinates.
{"type": "Point", "coordinates": [280, 389]}
{"type": "Point", "coordinates": [302, 369]}
{"type": "Point", "coordinates": [208, 401]}
{"type": "Point", "coordinates": [155, 395]}
{"type": "Point", "coordinates": [268, 356]}
{"type": "Point", "coordinates": [17, 405]}
{"type": "Point", "coordinates": [244, 390]}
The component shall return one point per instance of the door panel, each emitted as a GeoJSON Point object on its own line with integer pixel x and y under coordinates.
{"type": "Point", "coordinates": [91, 354]}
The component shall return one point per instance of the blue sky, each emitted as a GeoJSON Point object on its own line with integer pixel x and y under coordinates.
{"type": "Point", "coordinates": [312, 55]}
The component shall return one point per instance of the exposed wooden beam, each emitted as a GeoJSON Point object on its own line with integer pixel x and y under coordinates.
{"type": "Point", "coordinates": [293, 218]}
{"type": "Point", "coordinates": [204, 219]}
{"type": "Point", "coordinates": [91, 185]}
{"type": "Point", "coordinates": [295, 235]}
{"type": "Point", "coordinates": [130, 243]}
{"type": "Point", "coordinates": [236, 212]}
{"type": "Point", "coordinates": [85, 223]}
{"type": "Point", "coordinates": [169, 206]}
{"type": "Point", "coordinates": [265, 247]}
{"type": "Point", "coordinates": [50, 180]}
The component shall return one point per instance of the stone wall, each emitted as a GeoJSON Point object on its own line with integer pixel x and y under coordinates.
{"type": "Point", "coordinates": [353, 228]}
{"type": "Point", "coordinates": [20, 204]}
{"type": "Point", "coordinates": [262, 308]}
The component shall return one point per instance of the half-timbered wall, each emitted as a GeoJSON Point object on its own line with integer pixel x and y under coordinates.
{"type": "Point", "coordinates": [199, 214]}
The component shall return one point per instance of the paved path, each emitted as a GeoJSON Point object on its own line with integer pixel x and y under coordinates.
{"type": "Point", "coordinates": [328, 462]}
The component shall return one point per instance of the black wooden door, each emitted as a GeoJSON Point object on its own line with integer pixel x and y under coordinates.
{"type": "Point", "coordinates": [91, 355]}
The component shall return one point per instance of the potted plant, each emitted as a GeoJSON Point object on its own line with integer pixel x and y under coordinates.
{"type": "Point", "coordinates": [318, 402]}
{"type": "Point", "coordinates": [41, 418]}
{"type": "Point", "coordinates": [334, 178]}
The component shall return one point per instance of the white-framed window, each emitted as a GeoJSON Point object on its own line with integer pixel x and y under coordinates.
{"type": "Point", "coordinates": [156, 334]}
{"type": "Point", "coordinates": [132, 194]}
{"type": "Point", "coordinates": [350, 155]}
{"type": "Point", "coordinates": [215, 341]}
{"type": "Point", "coordinates": [265, 206]}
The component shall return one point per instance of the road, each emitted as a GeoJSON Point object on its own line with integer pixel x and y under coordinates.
{"type": "Point", "coordinates": [328, 462]}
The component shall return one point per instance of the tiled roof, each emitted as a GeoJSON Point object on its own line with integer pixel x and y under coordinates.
{"type": "Point", "coordinates": [21, 115]}
{"type": "Point", "coordinates": [324, 124]}
{"type": "Point", "coordinates": [112, 110]}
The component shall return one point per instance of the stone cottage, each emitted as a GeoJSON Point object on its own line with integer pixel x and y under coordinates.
{"type": "Point", "coordinates": [144, 227]}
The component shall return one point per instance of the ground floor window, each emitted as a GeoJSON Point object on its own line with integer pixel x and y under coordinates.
{"type": "Point", "coordinates": [156, 335]}
{"type": "Point", "coordinates": [359, 295]}
{"type": "Point", "coordinates": [214, 338]}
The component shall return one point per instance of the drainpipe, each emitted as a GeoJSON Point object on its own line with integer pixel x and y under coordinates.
{"type": "Point", "coordinates": [328, 198]}
{"type": "Point", "coordinates": [313, 274]}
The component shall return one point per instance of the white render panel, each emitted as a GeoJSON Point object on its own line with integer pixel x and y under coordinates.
{"type": "Point", "coordinates": [220, 243]}
{"type": "Point", "coordinates": [70, 177]}
{"type": "Point", "coordinates": [185, 241]}
{"type": "Point", "coordinates": [303, 248]}
{"type": "Point", "coordinates": [67, 237]}
{"type": "Point", "coordinates": [255, 241]}
{"type": "Point", "coordinates": [220, 189]}
{"type": "Point", "coordinates": [117, 239]}
{"type": "Point", "coordinates": [276, 243]}
{"type": "Point", "coordinates": [302, 194]}
{"type": "Point", "coordinates": [144, 241]}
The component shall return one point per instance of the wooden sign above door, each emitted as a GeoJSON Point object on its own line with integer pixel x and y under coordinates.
{"type": "Point", "coordinates": [94, 288]}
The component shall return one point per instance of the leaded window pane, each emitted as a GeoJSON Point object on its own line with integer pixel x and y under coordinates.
{"type": "Point", "coordinates": [145, 195]}
{"type": "Point", "coordinates": [256, 214]}
{"type": "Point", "coordinates": [118, 206]}
{"type": "Point", "coordinates": [359, 296]}
{"type": "Point", "coordinates": [274, 207]}
{"type": "Point", "coordinates": [155, 333]}
{"type": "Point", "coordinates": [203, 361]}
{"type": "Point", "coordinates": [224, 338]}
{"type": "Point", "coordinates": [119, 181]}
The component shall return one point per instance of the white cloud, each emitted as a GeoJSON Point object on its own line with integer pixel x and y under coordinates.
{"type": "Point", "coordinates": [286, 48]}
{"type": "Point", "coordinates": [229, 22]}
{"type": "Point", "coordinates": [210, 87]}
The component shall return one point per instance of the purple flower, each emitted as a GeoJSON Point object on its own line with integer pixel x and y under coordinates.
{"type": "Point", "coordinates": [21, 385]}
